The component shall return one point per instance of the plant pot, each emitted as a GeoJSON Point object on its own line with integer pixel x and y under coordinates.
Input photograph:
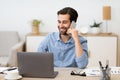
{"type": "Point", "coordinates": [95, 30]}
{"type": "Point", "coordinates": [35, 29]}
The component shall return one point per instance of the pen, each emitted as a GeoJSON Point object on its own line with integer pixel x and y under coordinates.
{"type": "Point", "coordinates": [11, 69]}
{"type": "Point", "coordinates": [100, 64]}
{"type": "Point", "coordinates": [107, 64]}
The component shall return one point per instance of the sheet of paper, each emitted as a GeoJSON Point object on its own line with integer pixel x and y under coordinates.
{"type": "Point", "coordinates": [96, 71]}
{"type": "Point", "coordinates": [115, 70]}
{"type": "Point", "coordinates": [92, 71]}
{"type": "Point", "coordinates": [3, 69]}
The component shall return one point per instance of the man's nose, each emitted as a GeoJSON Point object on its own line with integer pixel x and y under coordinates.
{"type": "Point", "coordinates": [61, 24]}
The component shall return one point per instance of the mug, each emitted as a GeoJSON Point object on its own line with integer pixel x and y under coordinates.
{"type": "Point", "coordinates": [14, 74]}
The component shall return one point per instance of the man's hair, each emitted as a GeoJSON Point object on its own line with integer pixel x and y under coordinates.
{"type": "Point", "coordinates": [68, 10]}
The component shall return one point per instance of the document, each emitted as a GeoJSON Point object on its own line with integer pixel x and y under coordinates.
{"type": "Point", "coordinates": [2, 69]}
{"type": "Point", "coordinates": [95, 71]}
{"type": "Point", "coordinates": [115, 70]}
{"type": "Point", "coordinates": [92, 71]}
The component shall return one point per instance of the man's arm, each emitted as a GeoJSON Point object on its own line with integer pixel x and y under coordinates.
{"type": "Point", "coordinates": [78, 46]}
{"type": "Point", "coordinates": [81, 50]}
{"type": "Point", "coordinates": [43, 45]}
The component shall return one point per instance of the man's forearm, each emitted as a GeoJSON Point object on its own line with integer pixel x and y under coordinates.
{"type": "Point", "coordinates": [78, 47]}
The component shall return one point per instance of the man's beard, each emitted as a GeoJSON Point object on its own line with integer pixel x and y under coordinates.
{"type": "Point", "coordinates": [64, 31]}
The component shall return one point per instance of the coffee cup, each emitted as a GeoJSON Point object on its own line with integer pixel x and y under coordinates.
{"type": "Point", "coordinates": [14, 74]}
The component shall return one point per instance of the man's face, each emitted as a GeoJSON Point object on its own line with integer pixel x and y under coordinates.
{"type": "Point", "coordinates": [63, 23]}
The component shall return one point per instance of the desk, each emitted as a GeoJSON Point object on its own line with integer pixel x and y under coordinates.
{"type": "Point", "coordinates": [64, 74]}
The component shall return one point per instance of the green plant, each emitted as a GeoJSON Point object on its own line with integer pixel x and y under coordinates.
{"type": "Point", "coordinates": [95, 24]}
{"type": "Point", "coordinates": [36, 22]}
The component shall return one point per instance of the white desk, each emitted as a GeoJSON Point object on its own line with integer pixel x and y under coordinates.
{"type": "Point", "coordinates": [64, 74]}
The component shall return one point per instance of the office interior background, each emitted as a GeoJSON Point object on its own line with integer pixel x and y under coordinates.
{"type": "Point", "coordinates": [16, 15]}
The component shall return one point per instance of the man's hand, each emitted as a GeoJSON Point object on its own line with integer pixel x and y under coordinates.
{"type": "Point", "coordinates": [73, 32]}
{"type": "Point", "coordinates": [78, 46]}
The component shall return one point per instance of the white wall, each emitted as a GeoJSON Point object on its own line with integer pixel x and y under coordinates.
{"type": "Point", "coordinates": [17, 14]}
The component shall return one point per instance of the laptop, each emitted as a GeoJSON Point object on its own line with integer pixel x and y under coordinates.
{"type": "Point", "coordinates": [36, 65]}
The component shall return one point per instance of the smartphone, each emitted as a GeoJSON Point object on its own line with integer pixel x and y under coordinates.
{"type": "Point", "coordinates": [73, 24]}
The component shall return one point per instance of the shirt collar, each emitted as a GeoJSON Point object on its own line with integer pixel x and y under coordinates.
{"type": "Point", "coordinates": [71, 40]}
{"type": "Point", "coordinates": [58, 36]}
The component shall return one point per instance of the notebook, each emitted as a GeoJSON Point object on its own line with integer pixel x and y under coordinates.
{"type": "Point", "coordinates": [36, 65]}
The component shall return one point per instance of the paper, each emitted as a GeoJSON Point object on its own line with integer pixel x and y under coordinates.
{"type": "Point", "coordinates": [115, 70]}
{"type": "Point", "coordinates": [96, 71]}
{"type": "Point", "coordinates": [2, 69]}
{"type": "Point", "coordinates": [92, 72]}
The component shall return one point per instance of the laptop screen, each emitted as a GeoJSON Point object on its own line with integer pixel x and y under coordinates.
{"type": "Point", "coordinates": [36, 64]}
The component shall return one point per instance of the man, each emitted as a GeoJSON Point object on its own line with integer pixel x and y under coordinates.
{"type": "Point", "coordinates": [69, 49]}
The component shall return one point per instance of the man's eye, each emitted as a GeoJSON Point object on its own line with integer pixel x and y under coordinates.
{"type": "Point", "coordinates": [64, 22]}
{"type": "Point", "coordinates": [59, 22]}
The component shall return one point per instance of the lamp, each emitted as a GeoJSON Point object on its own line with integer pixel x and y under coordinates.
{"type": "Point", "coordinates": [106, 15]}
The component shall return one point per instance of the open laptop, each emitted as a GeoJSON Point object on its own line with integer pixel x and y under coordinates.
{"type": "Point", "coordinates": [36, 65]}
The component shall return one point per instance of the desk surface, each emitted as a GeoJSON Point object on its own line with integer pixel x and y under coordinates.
{"type": "Point", "coordinates": [64, 74]}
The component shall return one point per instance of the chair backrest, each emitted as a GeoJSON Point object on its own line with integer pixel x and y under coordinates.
{"type": "Point", "coordinates": [7, 40]}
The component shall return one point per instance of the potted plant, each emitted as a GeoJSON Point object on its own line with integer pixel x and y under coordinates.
{"type": "Point", "coordinates": [35, 26]}
{"type": "Point", "coordinates": [95, 28]}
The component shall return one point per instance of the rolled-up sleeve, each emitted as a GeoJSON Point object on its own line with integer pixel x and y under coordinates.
{"type": "Point", "coordinates": [82, 61]}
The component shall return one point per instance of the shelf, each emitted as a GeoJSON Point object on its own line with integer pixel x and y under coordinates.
{"type": "Point", "coordinates": [100, 34]}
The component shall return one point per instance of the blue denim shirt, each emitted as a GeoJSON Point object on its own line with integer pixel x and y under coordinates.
{"type": "Point", "coordinates": [64, 53]}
